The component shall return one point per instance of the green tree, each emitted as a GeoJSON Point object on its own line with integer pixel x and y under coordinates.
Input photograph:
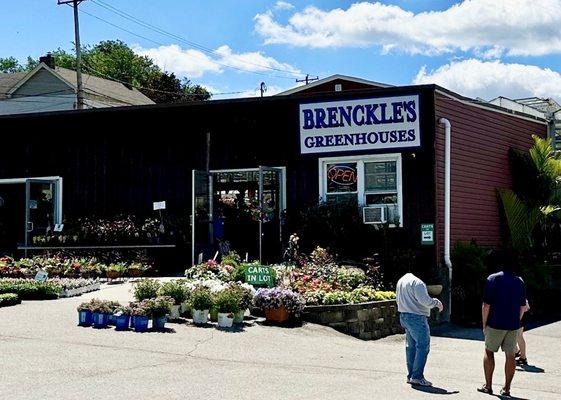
{"type": "Point", "coordinates": [115, 60]}
{"type": "Point", "coordinates": [10, 65]}
{"type": "Point", "coordinates": [536, 199]}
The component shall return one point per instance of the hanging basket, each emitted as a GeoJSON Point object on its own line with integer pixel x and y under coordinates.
{"type": "Point", "coordinates": [278, 315]}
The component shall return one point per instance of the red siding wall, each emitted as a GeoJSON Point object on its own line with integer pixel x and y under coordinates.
{"type": "Point", "coordinates": [346, 85]}
{"type": "Point", "coordinates": [480, 143]}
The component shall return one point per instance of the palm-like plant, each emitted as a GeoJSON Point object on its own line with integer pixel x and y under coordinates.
{"type": "Point", "coordinates": [526, 209]}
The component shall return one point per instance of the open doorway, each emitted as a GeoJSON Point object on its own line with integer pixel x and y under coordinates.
{"type": "Point", "coordinates": [28, 207]}
{"type": "Point", "coordinates": [239, 210]}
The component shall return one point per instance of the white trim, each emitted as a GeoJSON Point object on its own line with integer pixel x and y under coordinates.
{"type": "Point", "coordinates": [360, 160]}
{"type": "Point", "coordinates": [33, 72]}
{"type": "Point", "coordinates": [330, 79]}
{"type": "Point", "coordinates": [492, 109]}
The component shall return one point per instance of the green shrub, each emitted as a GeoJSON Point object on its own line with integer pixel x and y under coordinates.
{"type": "Point", "coordinates": [175, 290]}
{"type": "Point", "coordinates": [201, 299]}
{"type": "Point", "coordinates": [30, 289]}
{"type": "Point", "coordinates": [158, 307]}
{"type": "Point", "coordinates": [231, 258]}
{"type": "Point", "coordinates": [227, 302]}
{"type": "Point", "coordinates": [146, 289]}
{"type": "Point", "coordinates": [468, 282]}
{"type": "Point", "coordinates": [9, 299]}
{"type": "Point", "coordinates": [348, 278]}
{"type": "Point", "coordinates": [337, 297]}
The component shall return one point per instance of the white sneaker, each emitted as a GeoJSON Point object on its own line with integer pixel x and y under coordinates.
{"type": "Point", "coordinates": [421, 382]}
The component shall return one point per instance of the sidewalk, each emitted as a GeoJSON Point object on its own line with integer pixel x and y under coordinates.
{"type": "Point", "coordinates": [44, 355]}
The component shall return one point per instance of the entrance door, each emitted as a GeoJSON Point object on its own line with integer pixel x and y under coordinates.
{"type": "Point", "coordinates": [271, 204]}
{"type": "Point", "coordinates": [28, 207]}
{"type": "Point", "coordinates": [202, 237]}
{"type": "Point", "coordinates": [42, 211]}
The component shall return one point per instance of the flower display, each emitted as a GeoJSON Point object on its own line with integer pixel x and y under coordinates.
{"type": "Point", "coordinates": [277, 298]}
{"type": "Point", "coordinates": [210, 270]}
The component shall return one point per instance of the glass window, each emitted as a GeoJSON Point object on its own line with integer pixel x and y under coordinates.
{"type": "Point", "coordinates": [380, 176]}
{"type": "Point", "coordinates": [341, 177]}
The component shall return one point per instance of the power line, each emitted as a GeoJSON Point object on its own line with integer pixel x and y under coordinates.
{"type": "Point", "coordinates": [161, 31]}
{"type": "Point", "coordinates": [191, 55]}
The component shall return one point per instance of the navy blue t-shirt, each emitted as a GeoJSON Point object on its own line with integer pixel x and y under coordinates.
{"type": "Point", "coordinates": [505, 293]}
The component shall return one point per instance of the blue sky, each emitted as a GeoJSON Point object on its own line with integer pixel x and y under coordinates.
{"type": "Point", "coordinates": [477, 47]}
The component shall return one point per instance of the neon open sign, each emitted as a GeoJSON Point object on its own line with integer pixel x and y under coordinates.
{"type": "Point", "coordinates": [341, 177]}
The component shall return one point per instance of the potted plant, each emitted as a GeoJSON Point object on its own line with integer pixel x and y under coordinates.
{"type": "Point", "coordinates": [244, 293]}
{"type": "Point", "coordinates": [113, 305]}
{"type": "Point", "coordinates": [140, 314]}
{"type": "Point", "coordinates": [226, 303]}
{"type": "Point", "coordinates": [115, 271]}
{"type": "Point", "coordinates": [135, 270]}
{"type": "Point", "coordinates": [85, 314]}
{"type": "Point", "coordinates": [160, 307]}
{"type": "Point", "coordinates": [434, 286]}
{"type": "Point", "coordinates": [279, 304]}
{"type": "Point", "coordinates": [177, 292]}
{"type": "Point", "coordinates": [201, 301]}
{"type": "Point", "coordinates": [146, 289]}
{"type": "Point", "coordinates": [122, 318]}
{"type": "Point", "coordinates": [100, 313]}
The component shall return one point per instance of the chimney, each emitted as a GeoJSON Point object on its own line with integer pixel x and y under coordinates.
{"type": "Point", "coordinates": [48, 60]}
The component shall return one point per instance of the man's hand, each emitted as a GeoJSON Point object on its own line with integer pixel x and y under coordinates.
{"type": "Point", "coordinates": [439, 305]}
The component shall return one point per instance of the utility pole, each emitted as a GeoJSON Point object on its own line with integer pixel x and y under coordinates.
{"type": "Point", "coordinates": [79, 85]}
{"type": "Point", "coordinates": [263, 88]}
{"type": "Point", "coordinates": [307, 79]}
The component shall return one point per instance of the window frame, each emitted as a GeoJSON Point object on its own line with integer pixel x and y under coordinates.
{"type": "Point", "coordinates": [361, 193]}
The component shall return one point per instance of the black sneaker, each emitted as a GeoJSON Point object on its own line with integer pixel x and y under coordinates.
{"type": "Point", "coordinates": [522, 361]}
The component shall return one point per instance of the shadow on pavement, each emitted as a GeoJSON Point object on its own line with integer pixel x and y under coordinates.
{"type": "Point", "coordinates": [434, 390]}
{"type": "Point", "coordinates": [454, 331]}
{"type": "Point", "coordinates": [530, 368]}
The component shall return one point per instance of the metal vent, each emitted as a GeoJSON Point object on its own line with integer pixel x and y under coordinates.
{"type": "Point", "coordinates": [374, 214]}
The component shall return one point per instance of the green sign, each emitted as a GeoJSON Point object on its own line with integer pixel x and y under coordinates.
{"type": "Point", "coordinates": [259, 275]}
{"type": "Point", "coordinates": [427, 234]}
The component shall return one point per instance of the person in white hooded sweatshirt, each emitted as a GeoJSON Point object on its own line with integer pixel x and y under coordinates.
{"type": "Point", "coordinates": [414, 305]}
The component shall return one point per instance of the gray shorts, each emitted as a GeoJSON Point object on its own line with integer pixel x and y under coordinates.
{"type": "Point", "coordinates": [495, 338]}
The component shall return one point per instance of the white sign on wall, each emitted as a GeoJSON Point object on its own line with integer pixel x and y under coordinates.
{"type": "Point", "coordinates": [159, 205]}
{"type": "Point", "coordinates": [362, 124]}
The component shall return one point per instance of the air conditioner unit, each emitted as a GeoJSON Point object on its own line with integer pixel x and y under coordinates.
{"type": "Point", "coordinates": [375, 214]}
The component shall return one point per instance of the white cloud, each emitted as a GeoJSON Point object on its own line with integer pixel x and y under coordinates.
{"type": "Point", "coordinates": [283, 5]}
{"type": "Point", "coordinates": [252, 61]}
{"type": "Point", "coordinates": [516, 27]}
{"type": "Point", "coordinates": [172, 58]}
{"type": "Point", "coordinates": [489, 79]}
{"type": "Point", "coordinates": [194, 64]}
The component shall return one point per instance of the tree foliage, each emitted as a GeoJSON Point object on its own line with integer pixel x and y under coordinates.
{"type": "Point", "coordinates": [114, 60]}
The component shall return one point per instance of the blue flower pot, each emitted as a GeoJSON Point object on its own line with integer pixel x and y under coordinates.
{"type": "Point", "coordinates": [140, 323]}
{"type": "Point", "coordinates": [122, 322]}
{"type": "Point", "coordinates": [132, 321]}
{"type": "Point", "coordinates": [159, 322]}
{"type": "Point", "coordinates": [100, 320]}
{"type": "Point", "coordinates": [112, 320]}
{"type": "Point", "coordinates": [85, 318]}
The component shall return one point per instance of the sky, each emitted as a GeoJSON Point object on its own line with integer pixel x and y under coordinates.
{"type": "Point", "coordinates": [478, 48]}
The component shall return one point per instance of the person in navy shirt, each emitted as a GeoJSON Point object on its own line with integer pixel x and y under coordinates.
{"type": "Point", "coordinates": [504, 304]}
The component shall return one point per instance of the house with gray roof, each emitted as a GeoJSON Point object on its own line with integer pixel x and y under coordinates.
{"type": "Point", "coordinates": [50, 88]}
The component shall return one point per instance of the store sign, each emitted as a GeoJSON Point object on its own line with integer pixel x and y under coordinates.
{"type": "Point", "coordinates": [364, 124]}
{"type": "Point", "coordinates": [427, 234]}
{"type": "Point", "coordinates": [159, 205]}
{"type": "Point", "coordinates": [41, 276]}
{"type": "Point", "coordinates": [259, 275]}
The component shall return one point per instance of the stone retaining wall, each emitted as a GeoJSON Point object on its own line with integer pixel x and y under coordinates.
{"type": "Point", "coordinates": [367, 321]}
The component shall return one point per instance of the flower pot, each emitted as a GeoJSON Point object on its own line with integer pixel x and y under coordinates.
{"type": "Point", "coordinates": [200, 316]}
{"type": "Point", "coordinates": [225, 320]}
{"type": "Point", "coordinates": [159, 322]}
{"type": "Point", "coordinates": [132, 321]}
{"type": "Point", "coordinates": [135, 272]}
{"type": "Point", "coordinates": [113, 274]}
{"type": "Point", "coordinates": [85, 318]}
{"type": "Point", "coordinates": [111, 319]}
{"type": "Point", "coordinates": [238, 317]}
{"type": "Point", "coordinates": [140, 323]}
{"type": "Point", "coordinates": [174, 312]}
{"type": "Point", "coordinates": [100, 320]}
{"type": "Point", "coordinates": [434, 290]}
{"type": "Point", "coordinates": [277, 314]}
{"type": "Point", "coordinates": [122, 322]}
